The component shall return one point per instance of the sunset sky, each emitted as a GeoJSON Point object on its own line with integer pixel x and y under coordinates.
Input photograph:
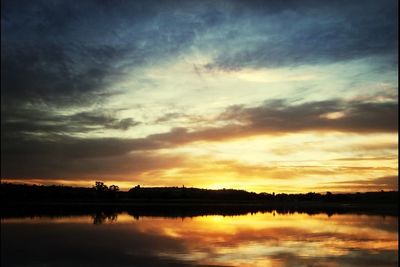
{"type": "Point", "coordinates": [266, 96]}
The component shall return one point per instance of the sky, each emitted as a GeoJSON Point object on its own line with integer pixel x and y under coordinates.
{"type": "Point", "coordinates": [265, 96]}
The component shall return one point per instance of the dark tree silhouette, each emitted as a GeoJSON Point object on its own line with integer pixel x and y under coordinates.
{"type": "Point", "coordinates": [114, 188]}
{"type": "Point", "coordinates": [100, 187]}
{"type": "Point", "coordinates": [41, 197]}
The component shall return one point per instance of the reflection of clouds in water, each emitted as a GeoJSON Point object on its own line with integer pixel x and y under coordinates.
{"type": "Point", "coordinates": [260, 239]}
{"type": "Point", "coordinates": [352, 258]}
{"type": "Point", "coordinates": [253, 240]}
{"type": "Point", "coordinates": [84, 245]}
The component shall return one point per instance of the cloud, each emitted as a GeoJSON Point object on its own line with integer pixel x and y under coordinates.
{"type": "Point", "coordinates": [82, 159]}
{"type": "Point", "coordinates": [52, 74]}
{"type": "Point", "coordinates": [63, 55]}
{"type": "Point", "coordinates": [68, 53]}
{"type": "Point", "coordinates": [374, 184]}
{"type": "Point", "coordinates": [268, 34]}
{"type": "Point", "coordinates": [47, 144]}
{"type": "Point", "coordinates": [34, 121]}
{"type": "Point", "coordinates": [94, 119]}
{"type": "Point", "coordinates": [376, 146]}
{"type": "Point", "coordinates": [367, 158]}
{"type": "Point", "coordinates": [279, 117]}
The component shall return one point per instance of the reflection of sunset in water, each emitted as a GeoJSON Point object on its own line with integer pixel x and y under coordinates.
{"type": "Point", "coordinates": [263, 238]}
{"type": "Point", "coordinates": [253, 240]}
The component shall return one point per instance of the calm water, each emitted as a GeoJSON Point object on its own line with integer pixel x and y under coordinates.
{"type": "Point", "coordinates": [250, 240]}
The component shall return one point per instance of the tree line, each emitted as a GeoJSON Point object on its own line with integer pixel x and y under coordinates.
{"type": "Point", "coordinates": [100, 192]}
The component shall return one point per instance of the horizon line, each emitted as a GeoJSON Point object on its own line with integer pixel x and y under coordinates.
{"type": "Point", "coordinates": [211, 189]}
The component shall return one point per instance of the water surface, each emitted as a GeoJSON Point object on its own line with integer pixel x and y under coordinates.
{"type": "Point", "coordinates": [261, 239]}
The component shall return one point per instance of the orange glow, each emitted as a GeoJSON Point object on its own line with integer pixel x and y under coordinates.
{"type": "Point", "coordinates": [257, 239]}
{"type": "Point", "coordinates": [300, 162]}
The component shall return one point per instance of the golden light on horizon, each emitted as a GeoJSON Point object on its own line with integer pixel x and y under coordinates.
{"type": "Point", "coordinates": [299, 162]}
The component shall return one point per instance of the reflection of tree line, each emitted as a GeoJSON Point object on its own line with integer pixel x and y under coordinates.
{"type": "Point", "coordinates": [181, 201]}
{"type": "Point", "coordinates": [109, 214]}
{"type": "Point", "coordinates": [101, 217]}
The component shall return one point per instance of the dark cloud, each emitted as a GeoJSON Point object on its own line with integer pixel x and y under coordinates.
{"type": "Point", "coordinates": [67, 54]}
{"type": "Point", "coordinates": [380, 183]}
{"type": "Point", "coordinates": [277, 116]}
{"type": "Point", "coordinates": [62, 52]}
{"type": "Point", "coordinates": [170, 116]}
{"type": "Point", "coordinates": [46, 150]}
{"type": "Point", "coordinates": [26, 122]}
{"type": "Point", "coordinates": [85, 160]}
{"type": "Point", "coordinates": [309, 32]}
{"type": "Point", "coordinates": [56, 75]}
{"type": "Point", "coordinates": [106, 121]}
{"type": "Point", "coordinates": [391, 182]}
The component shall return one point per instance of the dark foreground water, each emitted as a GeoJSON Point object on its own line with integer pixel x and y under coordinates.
{"type": "Point", "coordinates": [261, 239]}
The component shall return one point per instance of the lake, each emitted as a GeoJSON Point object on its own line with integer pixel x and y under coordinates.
{"type": "Point", "coordinates": [258, 239]}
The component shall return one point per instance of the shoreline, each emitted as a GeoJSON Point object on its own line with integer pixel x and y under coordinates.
{"type": "Point", "coordinates": [173, 208]}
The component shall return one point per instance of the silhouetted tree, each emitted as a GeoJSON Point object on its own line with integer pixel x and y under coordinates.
{"type": "Point", "coordinates": [100, 187]}
{"type": "Point", "coordinates": [114, 188]}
